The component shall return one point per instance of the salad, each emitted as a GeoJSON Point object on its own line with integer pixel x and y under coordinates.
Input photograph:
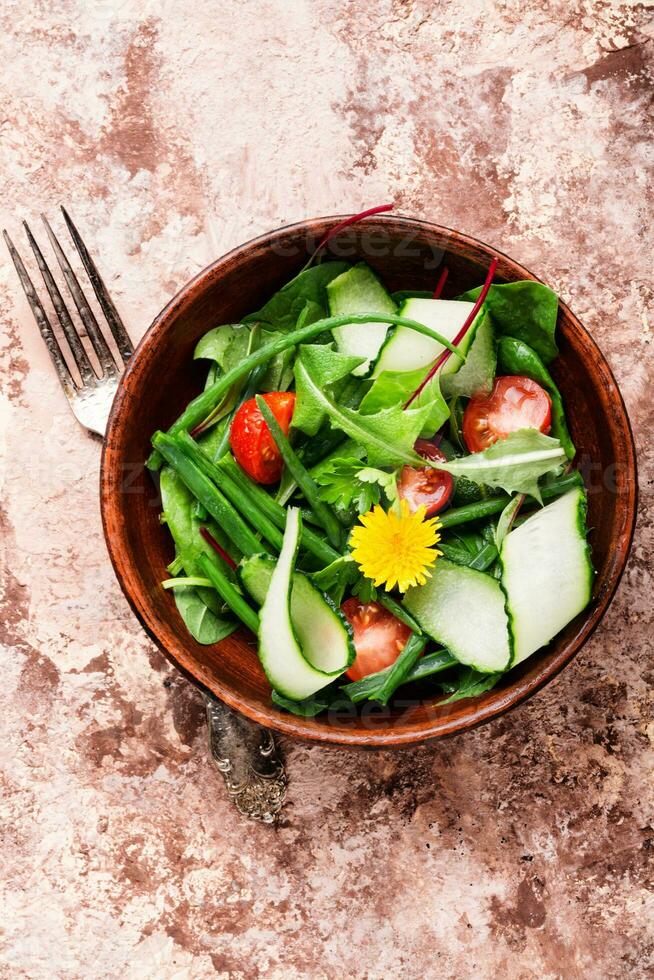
{"type": "Point", "coordinates": [380, 486]}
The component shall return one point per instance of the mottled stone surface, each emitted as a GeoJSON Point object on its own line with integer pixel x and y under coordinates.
{"type": "Point", "coordinates": [174, 131]}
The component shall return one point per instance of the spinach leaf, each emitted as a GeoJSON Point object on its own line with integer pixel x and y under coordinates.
{"type": "Point", "coordinates": [478, 371]}
{"type": "Point", "coordinates": [514, 464]}
{"type": "Point", "coordinates": [202, 623]}
{"type": "Point", "coordinates": [525, 310]}
{"type": "Point", "coordinates": [227, 345]}
{"type": "Point", "coordinates": [469, 683]}
{"type": "Point", "coordinates": [212, 375]}
{"type": "Point", "coordinates": [516, 357]}
{"type": "Point", "coordinates": [387, 437]}
{"type": "Point", "coordinates": [393, 388]}
{"type": "Point", "coordinates": [282, 310]}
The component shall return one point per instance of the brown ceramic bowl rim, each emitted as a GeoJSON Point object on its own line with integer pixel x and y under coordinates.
{"type": "Point", "coordinates": [524, 687]}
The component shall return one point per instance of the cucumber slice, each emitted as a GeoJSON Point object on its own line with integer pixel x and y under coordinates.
{"type": "Point", "coordinates": [321, 628]}
{"type": "Point", "coordinates": [359, 291]}
{"type": "Point", "coordinates": [547, 572]}
{"type": "Point", "coordinates": [406, 350]}
{"type": "Point", "coordinates": [286, 667]}
{"type": "Point", "coordinates": [464, 610]}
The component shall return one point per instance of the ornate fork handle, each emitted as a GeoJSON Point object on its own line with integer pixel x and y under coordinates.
{"type": "Point", "coordinates": [246, 756]}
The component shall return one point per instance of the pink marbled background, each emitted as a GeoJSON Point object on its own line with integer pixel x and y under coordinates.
{"type": "Point", "coordinates": [174, 131]}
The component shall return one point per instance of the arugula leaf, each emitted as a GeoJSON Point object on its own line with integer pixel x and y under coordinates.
{"type": "Point", "coordinates": [525, 310]}
{"type": "Point", "coordinates": [202, 623]}
{"type": "Point", "coordinates": [469, 684]}
{"type": "Point", "coordinates": [387, 437]}
{"type": "Point", "coordinates": [514, 464]}
{"type": "Point", "coordinates": [282, 310]}
{"type": "Point", "coordinates": [395, 387]}
{"type": "Point", "coordinates": [478, 371]}
{"type": "Point", "coordinates": [516, 357]}
{"type": "Point", "coordinates": [327, 365]}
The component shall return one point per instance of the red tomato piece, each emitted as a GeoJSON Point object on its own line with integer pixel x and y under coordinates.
{"type": "Point", "coordinates": [424, 486]}
{"type": "Point", "coordinates": [252, 444]}
{"type": "Point", "coordinates": [514, 403]}
{"type": "Point", "coordinates": [379, 637]}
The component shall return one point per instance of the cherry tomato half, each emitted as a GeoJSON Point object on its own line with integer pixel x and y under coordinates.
{"type": "Point", "coordinates": [514, 403]}
{"type": "Point", "coordinates": [379, 637]}
{"type": "Point", "coordinates": [252, 444]}
{"type": "Point", "coordinates": [424, 486]}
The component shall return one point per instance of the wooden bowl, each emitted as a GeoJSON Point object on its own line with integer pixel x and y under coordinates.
{"type": "Point", "coordinates": [162, 378]}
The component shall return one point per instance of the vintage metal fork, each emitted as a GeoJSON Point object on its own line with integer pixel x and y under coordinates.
{"type": "Point", "coordinates": [244, 753]}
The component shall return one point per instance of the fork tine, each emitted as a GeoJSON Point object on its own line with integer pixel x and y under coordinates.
{"type": "Point", "coordinates": [75, 344]}
{"type": "Point", "coordinates": [86, 313]}
{"type": "Point", "coordinates": [42, 321]}
{"type": "Point", "coordinates": [116, 326]}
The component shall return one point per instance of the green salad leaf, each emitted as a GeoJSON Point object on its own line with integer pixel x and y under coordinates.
{"type": "Point", "coordinates": [514, 464]}
{"type": "Point", "coordinates": [475, 549]}
{"type": "Point", "coordinates": [202, 622]}
{"type": "Point", "coordinates": [282, 310]}
{"type": "Point", "coordinates": [393, 388]}
{"type": "Point", "coordinates": [387, 437]}
{"type": "Point", "coordinates": [478, 372]}
{"type": "Point", "coordinates": [336, 577]}
{"type": "Point", "coordinates": [326, 365]}
{"type": "Point", "coordinates": [516, 357]}
{"type": "Point", "coordinates": [345, 483]}
{"type": "Point", "coordinates": [329, 697]}
{"type": "Point", "coordinates": [506, 519]}
{"type": "Point", "coordinates": [468, 684]}
{"type": "Point", "coordinates": [227, 345]}
{"type": "Point", "coordinates": [525, 310]}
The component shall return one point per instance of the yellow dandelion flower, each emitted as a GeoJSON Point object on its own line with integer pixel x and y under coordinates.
{"type": "Point", "coordinates": [396, 548]}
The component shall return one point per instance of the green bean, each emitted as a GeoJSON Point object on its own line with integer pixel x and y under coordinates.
{"type": "Point", "coordinates": [312, 542]}
{"type": "Point", "coordinates": [433, 663]}
{"type": "Point", "coordinates": [200, 407]}
{"type": "Point", "coordinates": [486, 508]}
{"type": "Point", "coordinates": [399, 612]}
{"type": "Point", "coordinates": [293, 464]}
{"type": "Point", "coordinates": [367, 688]}
{"type": "Point", "coordinates": [230, 489]}
{"type": "Point", "coordinates": [399, 671]}
{"type": "Point", "coordinates": [230, 594]}
{"type": "Point", "coordinates": [209, 496]}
